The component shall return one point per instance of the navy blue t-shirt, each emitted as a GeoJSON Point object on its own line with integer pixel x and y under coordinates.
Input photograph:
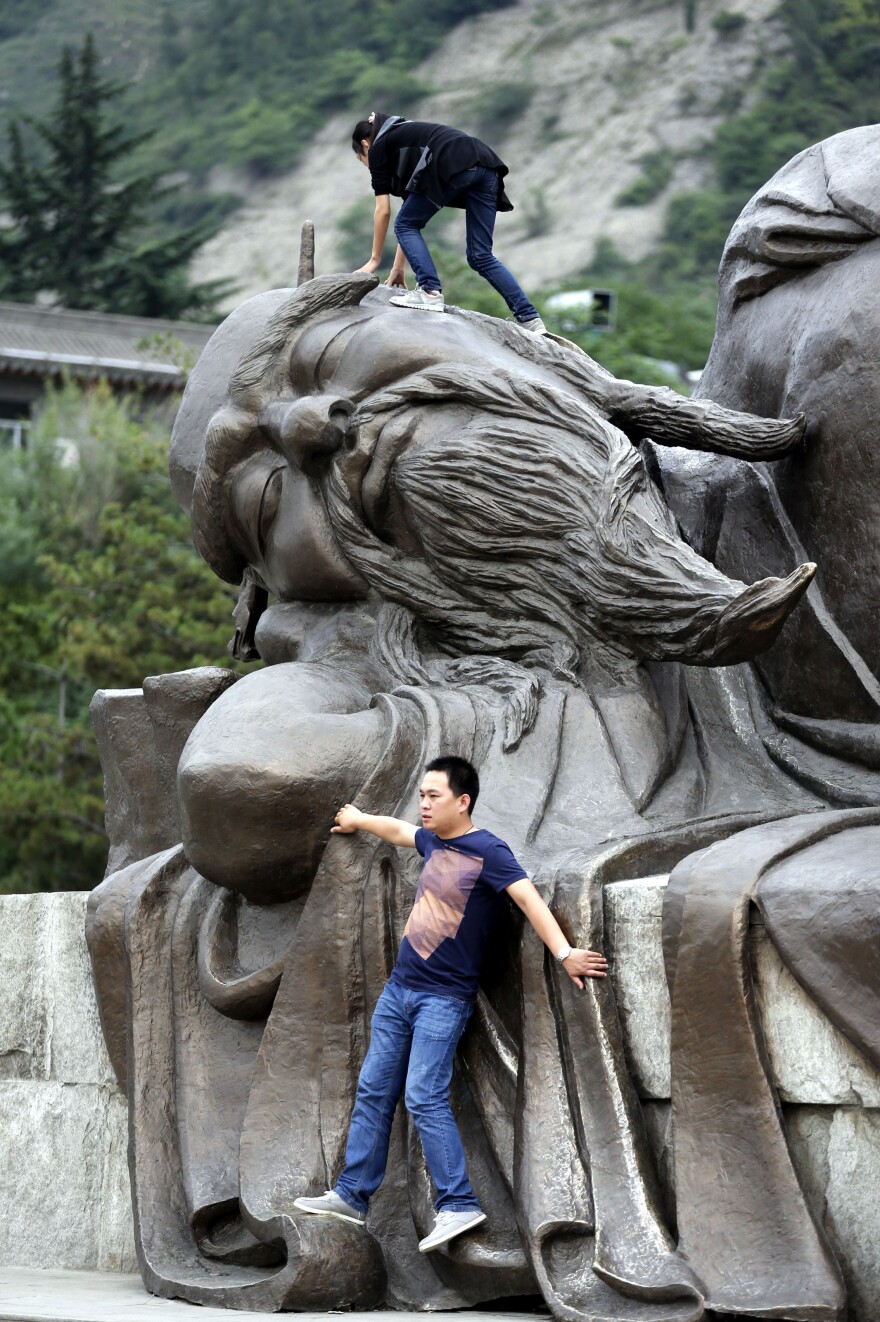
{"type": "Point", "coordinates": [460, 895]}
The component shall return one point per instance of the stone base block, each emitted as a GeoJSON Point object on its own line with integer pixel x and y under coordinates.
{"type": "Point", "coordinates": [837, 1152]}
{"type": "Point", "coordinates": [812, 1062]}
{"type": "Point", "coordinates": [49, 1024]}
{"type": "Point", "coordinates": [64, 1187]}
{"type": "Point", "coordinates": [64, 1190]}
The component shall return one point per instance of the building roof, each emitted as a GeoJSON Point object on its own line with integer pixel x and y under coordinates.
{"type": "Point", "coordinates": [39, 341]}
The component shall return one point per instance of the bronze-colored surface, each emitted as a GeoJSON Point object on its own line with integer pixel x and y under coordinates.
{"type": "Point", "coordinates": [452, 535]}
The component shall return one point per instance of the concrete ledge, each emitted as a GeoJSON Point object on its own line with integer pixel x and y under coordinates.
{"type": "Point", "coordinates": [50, 1296]}
{"type": "Point", "coordinates": [49, 1025]}
{"type": "Point", "coordinates": [65, 1198]}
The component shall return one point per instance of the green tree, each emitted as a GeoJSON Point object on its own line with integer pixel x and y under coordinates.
{"type": "Point", "coordinates": [99, 586]}
{"type": "Point", "coordinates": [77, 227]}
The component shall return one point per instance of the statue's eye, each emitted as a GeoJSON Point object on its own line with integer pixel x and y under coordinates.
{"type": "Point", "coordinates": [270, 502]}
{"type": "Point", "coordinates": [328, 361]}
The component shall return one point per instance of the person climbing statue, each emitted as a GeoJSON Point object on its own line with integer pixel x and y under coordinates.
{"type": "Point", "coordinates": [426, 1003]}
{"type": "Point", "coordinates": [433, 166]}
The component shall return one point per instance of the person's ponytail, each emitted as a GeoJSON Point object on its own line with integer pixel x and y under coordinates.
{"type": "Point", "coordinates": [367, 129]}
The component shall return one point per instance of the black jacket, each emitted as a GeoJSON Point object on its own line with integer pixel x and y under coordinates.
{"type": "Point", "coordinates": [412, 156]}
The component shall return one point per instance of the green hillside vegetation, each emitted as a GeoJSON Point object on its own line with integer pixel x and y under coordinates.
{"type": "Point", "coordinates": [218, 84]}
{"type": "Point", "coordinates": [829, 82]}
{"type": "Point", "coordinates": [99, 586]}
{"type": "Point", "coordinates": [260, 78]}
{"type": "Point", "coordinates": [230, 84]}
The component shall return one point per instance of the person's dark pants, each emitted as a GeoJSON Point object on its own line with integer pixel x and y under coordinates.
{"type": "Point", "coordinates": [413, 1037]}
{"type": "Point", "coordinates": [478, 187]}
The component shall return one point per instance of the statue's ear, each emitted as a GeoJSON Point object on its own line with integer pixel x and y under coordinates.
{"type": "Point", "coordinates": [781, 236]}
{"type": "Point", "coordinates": [253, 598]}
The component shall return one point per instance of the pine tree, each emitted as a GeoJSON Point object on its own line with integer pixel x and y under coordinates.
{"type": "Point", "coordinates": [78, 230]}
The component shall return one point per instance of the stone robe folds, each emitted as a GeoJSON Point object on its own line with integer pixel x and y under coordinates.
{"type": "Point", "coordinates": [241, 1029]}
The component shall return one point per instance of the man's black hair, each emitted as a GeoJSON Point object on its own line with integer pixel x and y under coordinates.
{"type": "Point", "coordinates": [461, 774]}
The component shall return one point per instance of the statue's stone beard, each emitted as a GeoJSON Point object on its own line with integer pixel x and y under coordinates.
{"type": "Point", "coordinates": [538, 530]}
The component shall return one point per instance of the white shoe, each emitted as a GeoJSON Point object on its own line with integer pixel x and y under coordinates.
{"type": "Point", "coordinates": [535, 325]}
{"type": "Point", "coordinates": [418, 298]}
{"type": "Point", "coordinates": [449, 1224]}
{"type": "Point", "coordinates": [330, 1204]}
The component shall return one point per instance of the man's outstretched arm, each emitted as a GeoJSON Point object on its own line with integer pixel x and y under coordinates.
{"type": "Point", "coordinates": [392, 829]}
{"type": "Point", "coordinates": [579, 964]}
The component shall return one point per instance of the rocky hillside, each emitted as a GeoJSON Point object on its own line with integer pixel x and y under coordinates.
{"type": "Point", "coordinates": [602, 110]}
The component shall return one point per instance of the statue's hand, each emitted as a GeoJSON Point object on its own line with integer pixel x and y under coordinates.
{"type": "Point", "coordinates": [582, 964]}
{"type": "Point", "coordinates": [264, 772]}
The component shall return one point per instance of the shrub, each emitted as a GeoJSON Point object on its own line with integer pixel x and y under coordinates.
{"type": "Point", "coordinates": [727, 23]}
{"type": "Point", "coordinates": [498, 107]}
{"type": "Point", "coordinates": [387, 85]}
{"type": "Point", "coordinates": [99, 586]}
{"type": "Point", "coordinates": [657, 170]}
{"type": "Point", "coordinates": [536, 214]}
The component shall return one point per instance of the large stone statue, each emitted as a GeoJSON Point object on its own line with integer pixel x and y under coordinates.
{"type": "Point", "coordinates": [797, 331]}
{"type": "Point", "coordinates": [466, 536]}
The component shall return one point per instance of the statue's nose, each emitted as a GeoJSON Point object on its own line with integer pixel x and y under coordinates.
{"type": "Point", "coordinates": [307, 431]}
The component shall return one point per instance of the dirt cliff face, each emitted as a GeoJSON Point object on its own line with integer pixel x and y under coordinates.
{"type": "Point", "coordinates": [574, 96]}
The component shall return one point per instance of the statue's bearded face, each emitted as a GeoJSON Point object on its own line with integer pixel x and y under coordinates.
{"type": "Point", "coordinates": [480, 481]}
{"type": "Point", "coordinates": [480, 490]}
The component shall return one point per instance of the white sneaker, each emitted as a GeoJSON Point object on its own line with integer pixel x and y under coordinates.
{"type": "Point", "coordinates": [330, 1204]}
{"type": "Point", "coordinates": [535, 325]}
{"type": "Point", "coordinates": [418, 298]}
{"type": "Point", "coordinates": [449, 1224]}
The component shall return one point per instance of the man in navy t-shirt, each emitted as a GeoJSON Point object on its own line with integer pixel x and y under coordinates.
{"type": "Point", "coordinates": [427, 1001]}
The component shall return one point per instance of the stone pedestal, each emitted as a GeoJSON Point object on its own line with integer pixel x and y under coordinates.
{"type": "Point", "coordinates": [64, 1191]}
{"type": "Point", "coordinates": [830, 1093]}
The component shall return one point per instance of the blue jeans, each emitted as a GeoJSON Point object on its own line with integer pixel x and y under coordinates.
{"type": "Point", "coordinates": [412, 1042]}
{"type": "Point", "coordinates": [479, 188]}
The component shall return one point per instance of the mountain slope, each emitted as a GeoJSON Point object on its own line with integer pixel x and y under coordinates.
{"type": "Point", "coordinates": [584, 101]}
